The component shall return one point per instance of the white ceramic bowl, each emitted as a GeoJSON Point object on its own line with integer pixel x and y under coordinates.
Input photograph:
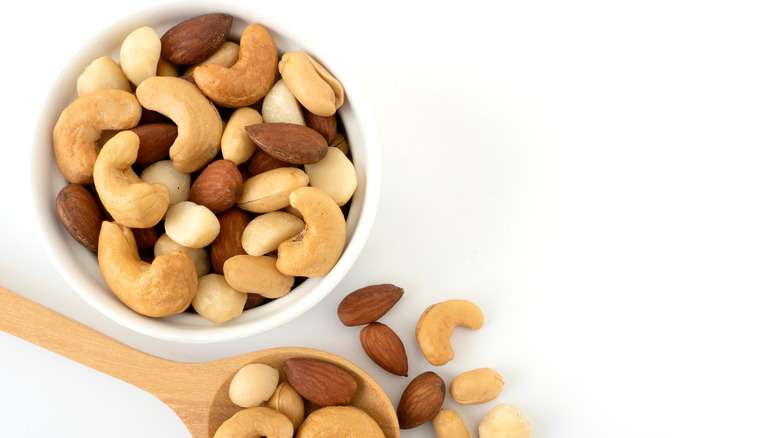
{"type": "Point", "coordinates": [79, 266]}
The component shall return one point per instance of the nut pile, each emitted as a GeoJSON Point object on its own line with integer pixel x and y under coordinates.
{"type": "Point", "coordinates": [205, 173]}
{"type": "Point", "coordinates": [423, 398]}
{"type": "Point", "coordinates": [276, 408]}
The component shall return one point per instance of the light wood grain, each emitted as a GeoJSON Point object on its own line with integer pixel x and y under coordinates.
{"type": "Point", "coordinates": [196, 392]}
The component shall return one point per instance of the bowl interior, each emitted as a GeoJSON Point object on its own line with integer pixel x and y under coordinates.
{"type": "Point", "coordinates": [79, 266]}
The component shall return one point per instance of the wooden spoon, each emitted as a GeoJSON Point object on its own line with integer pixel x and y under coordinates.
{"type": "Point", "coordinates": [197, 392]}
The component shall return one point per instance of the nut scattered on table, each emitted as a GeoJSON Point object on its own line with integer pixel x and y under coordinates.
{"type": "Point", "coordinates": [421, 400]}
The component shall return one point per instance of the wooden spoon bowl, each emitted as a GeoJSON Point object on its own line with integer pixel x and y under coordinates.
{"type": "Point", "coordinates": [196, 392]}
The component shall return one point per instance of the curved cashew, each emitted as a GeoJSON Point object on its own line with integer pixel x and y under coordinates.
{"type": "Point", "coordinates": [249, 79]}
{"type": "Point", "coordinates": [130, 201]}
{"type": "Point", "coordinates": [339, 421]}
{"type": "Point", "coordinates": [318, 247]}
{"type": "Point", "coordinates": [163, 288]}
{"type": "Point", "coordinates": [199, 123]}
{"type": "Point", "coordinates": [81, 124]}
{"type": "Point", "coordinates": [255, 422]}
{"type": "Point", "coordinates": [437, 323]}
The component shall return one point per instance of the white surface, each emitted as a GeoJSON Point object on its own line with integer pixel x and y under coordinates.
{"type": "Point", "coordinates": [601, 177]}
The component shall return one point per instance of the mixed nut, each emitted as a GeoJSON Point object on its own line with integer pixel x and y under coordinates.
{"type": "Point", "coordinates": [206, 174]}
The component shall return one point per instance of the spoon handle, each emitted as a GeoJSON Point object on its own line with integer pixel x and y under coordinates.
{"type": "Point", "coordinates": [59, 334]}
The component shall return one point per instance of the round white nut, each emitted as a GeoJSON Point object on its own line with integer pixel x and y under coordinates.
{"type": "Point", "coordinates": [286, 400]}
{"type": "Point", "coordinates": [165, 245]}
{"type": "Point", "coordinates": [257, 421]}
{"type": "Point", "coordinates": [236, 144]}
{"type": "Point", "coordinates": [163, 172]}
{"type": "Point", "coordinates": [102, 74]}
{"type": "Point", "coordinates": [504, 421]}
{"type": "Point", "coordinates": [226, 56]}
{"type": "Point", "coordinates": [270, 190]}
{"type": "Point", "coordinates": [280, 105]}
{"type": "Point", "coordinates": [316, 250]}
{"type": "Point", "coordinates": [191, 225]}
{"type": "Point", "coordinates": [447, 423]}
{"type": "Point", "coordinates": [265, 232]}
{"type": "Point", "coordinates": [335, 175]}
{"type": "Point", "coordinates": [257, 275]}
{"type": "Point", "coordinates": [476, 386]}
{"type": "Point", "coordinates": [437, 323]}
{"type": "Point", "coordinates": [130, 201]}
{"type": "Point", "coordinates": [139, 54]}
{"type": "Point", "coordinates": [314, 87]}
{"type": "Point", "coordinates": [253, 384]}
{"type": "Point", "coordinates": [216, 301]}
{"type": "Point", "coordinates": [197, 119]}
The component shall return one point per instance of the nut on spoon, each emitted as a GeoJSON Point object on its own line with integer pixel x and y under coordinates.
{"type": "Point", "coordinates": [196, 392]}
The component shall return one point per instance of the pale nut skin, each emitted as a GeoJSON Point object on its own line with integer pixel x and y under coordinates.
{"type": "Point", "coordinates": [249, 79]}
{"type": "Point", "coordinates": [216, 301]}
{"type": "Point", "coordinates": [102, 74]}
{"type": "Point", "coordinates": [476, 386]}
{"type": "Point", "coordinates": [437, 323]}
{"type": "Point", "coordinates": [130, 201]}
{"type": "Point", "coordinates": [447, 423]}
{"type": "Point", "coordinates": [163, 288]}
{"type": "Point", "coordinates": [139, 54]}
{"type": "Point", "coordinates": [280, 105]}
{"type": "Point", "coordinates": [504, 421]}
{"type": "Point", "coordinates": [339, 422]}
{"type": "Point", "coordinates": [236, 145]}
{"type": "Point", "coordinates": [317, 249]}
{"type": "Point", "coordinates": [286, 400]}
{"type": "Point", "coordinates": [270, 191]}
{"type": "Point", "coordinates": [253, 384]}
{"type": "Point", "coordinates": [335, 175]}
{"type": "Point", "coordinates": [198, 121]}
{"type": "Point", "coordinates": [256, 422]}
{"type": "Point", "coordinates": [314, 87]}
{"type": "Point", "coordinates": [78, 130]}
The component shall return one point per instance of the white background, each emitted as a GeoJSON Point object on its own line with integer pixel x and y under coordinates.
{"type": "Point", "coordinates": [600, 177]}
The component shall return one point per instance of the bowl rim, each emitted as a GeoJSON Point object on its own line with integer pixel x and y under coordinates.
{"type": "Point", "coordinates": [316, 289]}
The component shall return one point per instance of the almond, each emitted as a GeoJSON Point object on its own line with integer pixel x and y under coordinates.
{"type": "Point", "coordinates": [261, 162]}
{"type": "Point", "coordinates": [368, 304]}
{"type": "Point", "coordinates": [290, 142]}
{"type": "Point", "coordinates": [421, 400]}
{"type": "Point", "coordinates": [155, 139]}
{"type": "Point", "coordinates": [228, 242]}
{"type": "Point", "coordinates": [322, 383]}
{"type": "Point", "coordinates": [327, 126]}
{"type": "Point", "coordinates": [145, 238]}
{"type": "Point", "coordinates": [218, 186]}
{"type": "Point", "coordinates": [193, 40]}
{"type": "Point", "coordinates": [385, 348]}
{"type": "Point", "coordinates": [81, 214]}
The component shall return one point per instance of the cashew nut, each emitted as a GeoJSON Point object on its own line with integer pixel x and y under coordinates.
{"type": "Point", "coordinates": [80, 127]}
{"type": "Point", "coordinates": [447, 423]}
{"type": "Point", "coordinates": [256, 422]}
{"type": "Point", "coordinates": [130, 201]}
{"type": "Point", "coordinates": [437, 323]}
{"type": "Point", "coordinates": [339, 421]}
{"type": "Point", "coordinates": [314, 87]}
{"type": "Point", "coordinates": [163, 288]}
{"type": "Point", "coordinates": [249, 79]}
{"type": "Point", "coordinates": [199, 123]}
{"type": "Point", "coordinates": [314, 251]}
{"type": "Point", "coordinates": [504, 421]}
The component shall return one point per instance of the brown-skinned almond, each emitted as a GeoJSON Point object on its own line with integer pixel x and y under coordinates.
{"type": "Point", "coordinates": [327, 126]}
{"type": "Point", "coordinates": [154, 142]}
{"type": "Point", "coordinates": [218, 186]}
{"type": "Point", "coordinates": [289, 142]}
{"type": "Point", "coordinates": [261, 162]}
{"type": "Point", "coordinates": [368, 304]}
{"type": "Point", "coordinates": [320, 382]}
{"type": "Point", "coordinates": [385, 348]}
{"type": "Point", "coordinates": [421, 400]}
{"type": "Point", "coordinates": [81, 214]}
{"type": "Point", "coordinates": [228, 242]}
{"type": "Point", "coordinates": [193, 40]}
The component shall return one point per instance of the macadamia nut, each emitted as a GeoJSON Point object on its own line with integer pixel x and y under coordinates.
{"type": "Point", "coordinates": [139, 54]}
{"type": "Point", "coordinates": [102, 74]}
{"type": "Point", "coordinates": [265, 232]}
{"type": "Point", "coordinates": [216, 301]}
{"type": "Point", "coordinates": [191, 225]}
{"type": "Point", "coordinates": [504, 421]}
{"type": "Point", "coordinates": [199, 256]}
{"type": "Point", "coordinates": [163, 172]}
{"type": "Point", "coordinates": [253, 384]}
